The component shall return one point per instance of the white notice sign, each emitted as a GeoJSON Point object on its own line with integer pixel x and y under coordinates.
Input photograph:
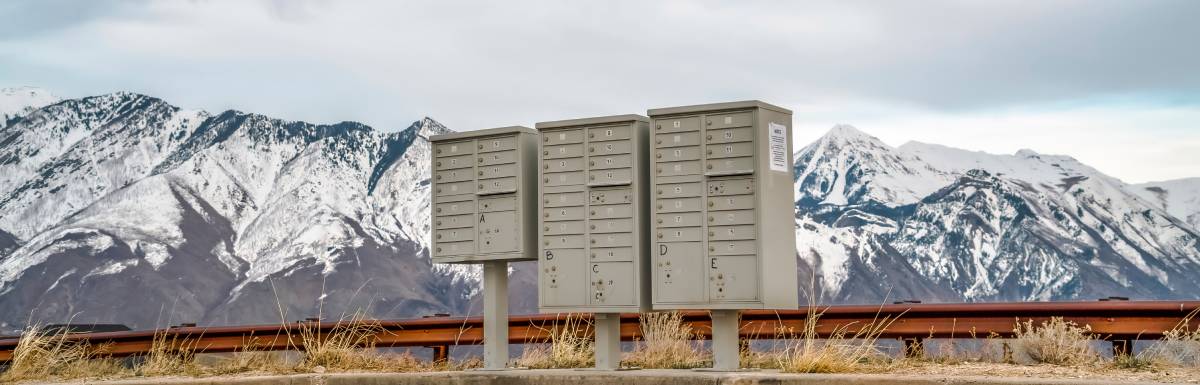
{"type": "Point", "coordinates": [777, 142]}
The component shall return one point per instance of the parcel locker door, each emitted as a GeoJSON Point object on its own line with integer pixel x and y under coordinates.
{"type": "Point", "coordinates": [612, 284]}
{"type": "Point", "coordinates": [679, 272]}
{"type": "Point", "coordinates": [563, 279]}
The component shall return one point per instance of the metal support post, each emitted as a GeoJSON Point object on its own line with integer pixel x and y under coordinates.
{"type": "Point", "coordinates": [725, 340]}
{"type": "Point", "coordinates": [608, 341]}
{"type": "Point", "coordinates": [495, 315]}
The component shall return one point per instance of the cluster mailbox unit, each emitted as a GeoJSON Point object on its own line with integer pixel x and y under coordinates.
{"type": "Point", "coordinates": [691, 208]}
{"type": "Point", "coordinates": [594, 237]}
{"type": "Point", "coordinates": [484, 195]}
{"type": "Point", "coordinates": [723, 215]}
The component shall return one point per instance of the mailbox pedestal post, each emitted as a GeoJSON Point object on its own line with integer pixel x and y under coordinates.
{"type": "Point", "coordinates": [495, 315]}
{"type": "Point", "coordinates": [725, 340]}
{"type": "Point", "coordinates": [608, 340]}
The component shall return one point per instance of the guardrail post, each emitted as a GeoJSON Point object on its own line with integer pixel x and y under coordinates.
{"type": "Point", "coordinates": [1121, 348]}
{"type": "Point", "coordinates": [441, 353]}
{"type": "Point", "coordinates": [914, 347]}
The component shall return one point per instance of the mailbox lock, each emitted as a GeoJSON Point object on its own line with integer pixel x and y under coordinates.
{"type": "Point", "coordinates": [439, 177]}
{"type": "Point", "coordinates": [545, 167]}
{"type": "Point", "coordinates": [547, 215]}
{"type": "Point", "coordinates": [710, 137]}
{"type": "Point", "coordinates": [548, 229]}
{"type": "Point", "coordinates": [710, 248]}
{"type": "Point", "coordinates": [546, 138]}
{"type": "Point", "coordinates": [481, 173]}
{"type": "Point", "coordinates": [659, 220]}
{"type": "Point", "coordinates": [708, 122]}
{"type": "Point", "coordinates": [591, 149]}
{"type": "Point", "coordinates": [659, 155]}
{"type": "Point", "coordinates": [480, 160]}
{"type": "Point", "coordinates": [710, 166]}
{"type": "Point", "coordinates": [660, 235]}
{"type": "Point", "coordinates": [660, 192]}
{"type": "Point", "coordinates": [439, 209]}
{"type": "Point", "coordinates": [591, 135]}
{"type": "Point", "coordinates": [593, 227]}
{"type": "Point", "coordinates": [591, 177]}
{"type": "Point", "coordinates": [710, 219]}
{"type": "Point", "coordinates": [546, 242]}
{"type": "Point", "coordinates": [439, 249]}
{"type": "Point", "coordinates": [593, 212]}
{"type": "Point", "coordinates": [439, 236]}
{"type": "Point", "coordinates": [546, 200]}
{"type": "Point", "coordinates": [660, 205]}
{"type": "Point", "coordinates": [439, 164]}
{"type": "Point", "coordinates": [656, 127]}
{"type": "Point", "coordinates": [710, 203]}
{"type": "Point", "coordinates": [545, 152]}
{"type": "Point", "coordinates": [439, 151]}
{"type": "Point", "coordinates": [658, 141]}
{"type": "Point", "coordinates": [593, 240]}
{"type": "Point", "coordinates": [547, 180]}
{"type": "Point", "coordinates": [481, 146]}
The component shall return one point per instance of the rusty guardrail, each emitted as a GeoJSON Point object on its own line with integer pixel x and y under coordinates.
{"type": "Point", "coordinates": [1120, 322]}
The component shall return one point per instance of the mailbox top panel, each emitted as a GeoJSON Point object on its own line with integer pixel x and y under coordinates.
{"type": "Point", "coordinates": [592, 121]}
{"type": "Point", "coordinates": [482, 133]}
{"type": "Point", "coordinates": [717, 107]}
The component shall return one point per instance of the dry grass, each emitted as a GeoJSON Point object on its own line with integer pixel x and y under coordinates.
{"type": "Point", "coordinates": [667, 343]}
{"type": "Point", "coordinates": [349, 346]}
{"type": "Point", "coordinates": [170, 355]}
{"type": "Point", "coordinates": [49, 355]}
{"type": "Point", "coordinates": [570, 345]}
{"type": "Point", "coordinates": [1179, 347]}
{"type": "Point", "coordinates": [845, 350]}
{"type": "Point", "coordinates": [1056, 342]}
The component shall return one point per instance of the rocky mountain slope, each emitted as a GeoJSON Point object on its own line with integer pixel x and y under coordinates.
{"type": "Point", "coordinates": [936, 223]}
{"type": "Point", "coordinates": [124, 201]}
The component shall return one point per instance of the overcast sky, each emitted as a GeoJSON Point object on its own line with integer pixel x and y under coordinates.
{"type": "Point", "coordinates": [1115, 84]}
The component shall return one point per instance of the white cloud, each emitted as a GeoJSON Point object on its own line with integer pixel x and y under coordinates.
{"type": "Point", "coordinates": [910, 69]}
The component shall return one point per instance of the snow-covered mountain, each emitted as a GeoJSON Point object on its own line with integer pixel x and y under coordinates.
{"type": "Point", "coordinates": [932, 222]}
{"type": "Point", "coordinates": [123, 201]}
{"type": "Point", "coordinates": [1180, 197]}
{"type": "Point", "coordinates": [19, 101]}
{"type": "Point", "coordinates": [123, 208]}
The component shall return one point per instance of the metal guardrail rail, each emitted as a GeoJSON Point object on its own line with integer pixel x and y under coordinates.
{"type": "Point", "coordinates": [1118, 321]}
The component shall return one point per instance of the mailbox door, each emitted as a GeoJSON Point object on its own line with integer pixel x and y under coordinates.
{"type": "Point", "coordinates": [563, 282]}
{"type": "Point", "coordinates": [679, 272]}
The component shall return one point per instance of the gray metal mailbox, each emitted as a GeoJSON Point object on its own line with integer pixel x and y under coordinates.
{"type": "Point", "coordinates": [593, 221]}
{"type": "Point", "coordinates": [593, 236]}
{"type": "Point", "coordinates": [484, 195]}
{"type": "Point", "coordinates": [723, 217]}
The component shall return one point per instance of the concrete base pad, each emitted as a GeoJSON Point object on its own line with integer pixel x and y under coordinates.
{"type": "Point", "coordinates": [576, 377]}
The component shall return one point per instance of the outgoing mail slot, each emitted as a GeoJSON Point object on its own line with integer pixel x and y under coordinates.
{"type": "Point", "coordinates": [729, 135]}
{"type": "Point", "coordinates": [498, 157]}
{"type": "Point", "coordinates": [676, 154]}
{"type": "Point", "coordinates": [454, 188]}
{"type": "Point", "coordinates": [679, 272]}
{"type": "Point", "coordinates": [616, 176]}
{"type": "Point", "coordinates": [675, 205]}
{"type": "Point", "coordinates": [730, 187]}
{"type": "Point", "coordinates": [563, 227]}
{"type": "Point", "coordinates": [735, 217]}
{"type": "Point", "coordinates": [617, 225]}
{"type": "Point", "coordinates": [691, 123]}
{"type": "Point", "coordinates": [456, 175]}
{"type": "Point", "coordinates": [733, 278]}
{"type": "Point", "coordinates": [454, 208]}
{"type": "Point", "coordinates": [562, 136]}
{"type": "Point", "coordinates": [454, 248]}
{"type": "Point", "coordinates": [668, 220]}
{"type": "Point", "coordinates": [728, 166]}
{"type": "Point", "coordinates": [564, 164]}
{"type": "Point", "coordinates": [678, 139]}
{"type": "Point", "coordinates": [568, 178]}
{"type": "Point", "coordinates": [731, 233]}
{"type": "Point", "coordinates": [609, 148]}
{"type": "Point", "coordinates": [610, 211]}
{"type": "Point", "coordinates": [454, 235]}
{"type": "Point", "coordinates": [610, 161]}
{"type": "Point", "coordinates": [740, 119]}
{"type": "Point", "coordinates": [600, 134]}
{"type": "Point", "coordinates": [453, 221]}
{"type": "Point", "coordinates": [452, 149]}
{"type": "Point", "coordinates": [497, 204]}
{"type": "Point", "coordinates": [611, 196]}
{"type": "Point", "coordinates": [679, 190]}
{"type": "Point", "coordinates": [563, 277]}
{"type": "Point", "coordinates": [562, 151]}
{"type": "Point", "coordinates": [729, 150]}
{"type": "Point", "coordinates": [562, 241]}
{"type": "Point", "coordinates": [564, 199]}
{"type": "Point", "coordinates": [687, 167]}
{"type": "Point", "coordinates": [611, 240]}
{"type": "Point", "coordinates": [563, 213]}
{"type": "Point", "coordinates": [731, 202]}
{"type": "Point", "coordinates": [730, 247]}
{"type": "Point", "coordinates": [677, 234]}
{"type": "Point", "coordinates": [497, 171]}
{"type": "Point", "coordinates": [496, 144]}
{"type": "Point", "coordinates": [452, 162]}
{"type": "Point", "coordinates": [609, 254]}
{"type": "Point", "coordinates": [496, 186]}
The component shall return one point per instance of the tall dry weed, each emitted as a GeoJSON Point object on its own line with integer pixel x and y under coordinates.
{"type": "Point", "coordinates": [666, 343]}
{"type": "Point", "coordinates": [843, 350]}
{"type": "Point", "coordinates": [1056, 342]}
{"type": "Point", "coordinates": [571, 344]}
{"type": "Point", "coordinates": [50, 355]}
